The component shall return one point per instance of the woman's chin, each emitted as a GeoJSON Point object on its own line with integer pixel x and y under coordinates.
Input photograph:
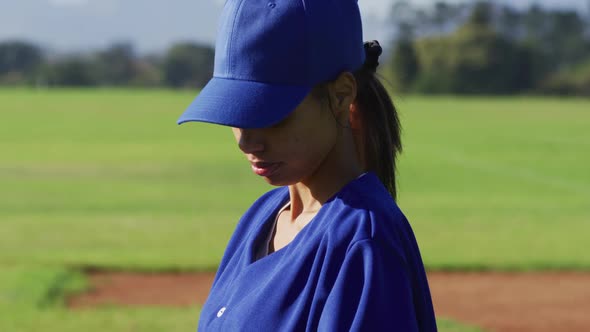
{"type": "Point", "coordinates": [279, 180]}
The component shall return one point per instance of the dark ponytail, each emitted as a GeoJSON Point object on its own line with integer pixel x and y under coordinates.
{"type": "Point", "coordinates": [381, 129]}
{"type": "Point", "coordinates": [381, 125]}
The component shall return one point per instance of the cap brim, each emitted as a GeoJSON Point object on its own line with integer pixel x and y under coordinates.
{"type": "Point", "coordinates": [244, 104]}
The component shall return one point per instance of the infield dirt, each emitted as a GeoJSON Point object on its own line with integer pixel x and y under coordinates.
{"type": "Point", "coordinates": [549, 301]}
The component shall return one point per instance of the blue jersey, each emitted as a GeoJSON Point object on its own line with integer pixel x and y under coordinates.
{"type": "Point", "coordinates": [355, 267]}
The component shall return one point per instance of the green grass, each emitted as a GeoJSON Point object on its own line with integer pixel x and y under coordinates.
{"type": "Point", "coordinates": [105, 178]}
{"type": "Point", "coordinates": [26, 289]}
{"type": "Point", "coordinates": [498, 183]}
{"type": "Point", "coordinates": [105, 319]}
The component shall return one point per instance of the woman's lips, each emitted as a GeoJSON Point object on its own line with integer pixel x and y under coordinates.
{"type": "Point", "coordinates": [265, 169]}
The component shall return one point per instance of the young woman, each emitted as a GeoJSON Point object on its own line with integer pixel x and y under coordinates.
{"type": "Point", "coordinates": [329, 249]}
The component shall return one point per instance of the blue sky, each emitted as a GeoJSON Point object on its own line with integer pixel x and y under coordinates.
{"type": "Point", "coordinates": [152, 25]}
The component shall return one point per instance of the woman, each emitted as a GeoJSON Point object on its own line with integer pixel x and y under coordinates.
{"type": "Point", "coordinates": [329, 249]}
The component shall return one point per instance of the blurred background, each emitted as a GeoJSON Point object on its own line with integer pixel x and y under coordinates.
{"type": "Point", "coordinates": [502, 47]}
{"type": "Point", "coordinates": [95, 175]}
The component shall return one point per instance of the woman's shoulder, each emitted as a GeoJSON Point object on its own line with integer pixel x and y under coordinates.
{"type": "Point", "coordinates": [364, 210]}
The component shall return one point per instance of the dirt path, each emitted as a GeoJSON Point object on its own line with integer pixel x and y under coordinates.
{"type": "Point", "coordinates": [495, 301]}
{"type": "Point", "coordinates": [515, 302]}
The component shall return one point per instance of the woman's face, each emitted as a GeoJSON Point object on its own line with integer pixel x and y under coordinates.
{"type": "Point", "coordinates": [294, 149]}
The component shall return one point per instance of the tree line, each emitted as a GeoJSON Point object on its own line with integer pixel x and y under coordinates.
{"type": "Point", "coordinates": [488, 48]}
{"type": "Point", "coordinates": [446, 48]}
{"type": "Point", "coordinates": [183, 65]}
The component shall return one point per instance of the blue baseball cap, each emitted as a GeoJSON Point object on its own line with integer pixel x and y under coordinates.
{"type": "Point", "coordinates": [270, 54]}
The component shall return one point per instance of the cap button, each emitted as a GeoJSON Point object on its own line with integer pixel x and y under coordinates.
{"type": "Point", "coordinates": [272, 5]}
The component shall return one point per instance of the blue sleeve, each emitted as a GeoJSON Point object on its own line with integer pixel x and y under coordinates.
{"type": "Point", "coordinates": [372, 292]}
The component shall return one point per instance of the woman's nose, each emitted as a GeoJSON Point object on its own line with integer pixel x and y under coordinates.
{"type": "Point", "coordinates": [249, 140]}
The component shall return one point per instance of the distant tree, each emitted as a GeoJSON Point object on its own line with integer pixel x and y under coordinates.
{"type": "Point", "coordinates": [188, 65]}
{"type": "Point", "coordinates": [482, 14]}
{"type": "Point", "coordinates": [568, 35]}
{"type": "Point", "coordinates": [574, 80]}
{"type": "Point", "coordinates": [115, 65]}
{"type": "Point", "coordinates": [509, 24]}
{"type": "Point", "coordinates": [514, 49]}
{"type": "Point", "coordinates": [70, 71]}
{"type": "Point", "coordinates": [442, 18]}
{"type": "Point", "coordinates": [148, 72]}
{"type": "Point", "coordinates": [557, 38]}
{"type": "Point", "coordinates": [402, 16]}
{"type": "Point", "coordinates": [19, 61]}
{"type": "Point", "coordinates": [405, 62]}
{"type": "Point", "coordinates": [473, 60]}
{"type": "Point", "coordinates": [19, 56]}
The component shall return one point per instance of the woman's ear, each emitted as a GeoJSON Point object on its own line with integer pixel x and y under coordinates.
{"type": "Point", "coordinates": [342, 92]}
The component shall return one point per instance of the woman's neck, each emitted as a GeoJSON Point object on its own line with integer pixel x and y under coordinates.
{"type": "Point", "coordinates": [340, 166]}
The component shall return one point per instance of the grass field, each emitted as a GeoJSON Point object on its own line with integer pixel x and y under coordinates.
{"type": "Point", "coordinates": [105, 178]}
